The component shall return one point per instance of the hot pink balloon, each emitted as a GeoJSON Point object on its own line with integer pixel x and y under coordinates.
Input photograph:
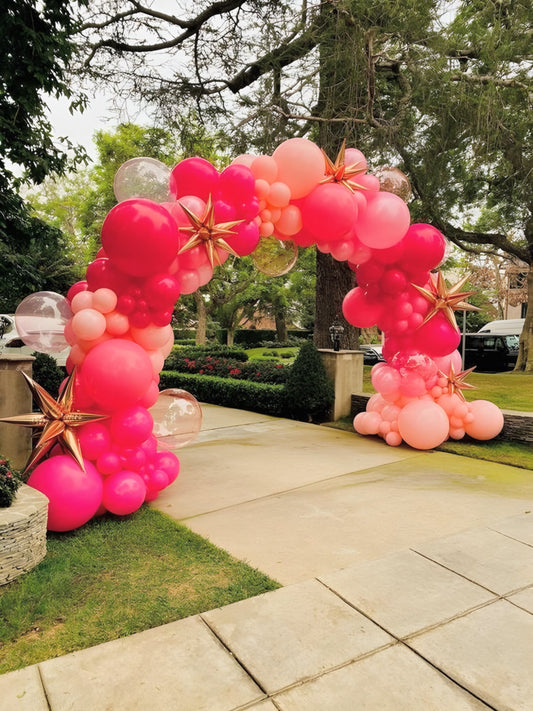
{"type": "Point", "coordinates": [424, 247]}
{"type": "Point", "coordinates": [423, 424]}
{"type": "Point", "coordinates": [329, 211]}
{"type": "Point", "coordinates": [75, 496]}
{"type": "Point", "coordinates": [132, 426]}
{"type": "Point", "coordinates": [124, 492]}
{"type": "Point", "coordinates": [94, 439]}
{"type": "Point", "coordinates": [358, 310]}
{"type": "Point", "coordinates": [437, 337]}
{"type": "Point", "coordinates": [140, 237]}
{"type": "Point", "coordinates": [384, 222]}
{"type": "Point", "coordinates": [236, 184]}
{"type": "Point", "coordinates": [194, 176]}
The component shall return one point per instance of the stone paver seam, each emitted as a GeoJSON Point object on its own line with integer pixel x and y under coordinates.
{"type": "Point", "coordinates": [43, 687]}
{"type": "Point", "coordinates": [306, 679]}
{"type": "Point", "coordinates": [512, 602]}
{"type": "Point", "coordinates": [404, 642]}
{"type": "Point", "coordinates": [500, 596]}
{"type": "Point", "coordinates": [513, 538]}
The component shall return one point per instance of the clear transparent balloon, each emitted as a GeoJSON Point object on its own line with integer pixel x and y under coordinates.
{"type": "Point", "coordinates": [274, 257]}
{"type": "Point", "coordinates": [392, 180]}
{"type": "Point", "coordinates": [144, 178]}
{"type": "Point", "coordinates": [40, 320]}
{"type": "Point", "coordinates": [177, 418]}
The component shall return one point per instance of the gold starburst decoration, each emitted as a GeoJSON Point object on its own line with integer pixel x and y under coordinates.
{"type": "Point", "coordinates": [456, 381]}
{"type": "Point", "coordinates": [339, 172]}
{"type": "Point", "coordinates": [446, 299]}
{"type": "Point", "coordinates": [57, 420]}
{"type": "Point", "coordinates": [204, 230]}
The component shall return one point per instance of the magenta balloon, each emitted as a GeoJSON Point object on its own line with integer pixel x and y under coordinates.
{"type": "Point", "coordinates": [169, 463]}
{"type": "Point", "coordinates": [437, 337]}
{"type": "Point", "coordinates": [236, 184]}
{"type": "Point", "coordinates": [108, 463]}
{"type": "Point", "coordinates": [75, 496]}
{"type": "Point", "coordinates": [423, 424]}
{"type": "Point", "coordinates": [194, 176]}
{"type": "Point", "coordinates": [132, 426]}
{"type": "Point", "coordinates": [161, 290]}
{"type": "Point", "coordinates": [124, 492]}
{"type": "Point", "coordinates": [140, 237]}
{"type": "Point", "coordinates": [246, 238]}
{"type": "Point", "coordinates": [384, 222]}
{"type": "Point", "coordinates": [94, 439]}
{"type": "Point", "coordinates": [369, 273]}
{"type": "Point", "coordinates": [116, 374]}
{"type": "Point", "coordinates": [359, 311]}
{"type": "Point", "coordinates": [487, 420]}
{"type": "Point", "coordinates": [393, 281]}
{"type": "Point", "coordinates": [424, 247]}
{"type": "Point", "coordinates": [329, 212]}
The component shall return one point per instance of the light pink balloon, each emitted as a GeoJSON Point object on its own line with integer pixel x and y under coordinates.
{"type": "Point", "coordinates": [423, 424]}
{"type": "Point", "coordinates": [88, 324]}
{"type": "Point", "coordinates": [384, 222]}
{"type": "Point", "coordinates": [301, 165]}
{"type": "Point", "coordinates": [487, 420]}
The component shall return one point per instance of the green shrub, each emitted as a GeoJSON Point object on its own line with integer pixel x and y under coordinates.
{"type": "Point", "coordinates": [309, 391]}
{"type": "Point", "coordinates": [228, 392]}
{"type": "Point", "coordinates": [10, 480]}
{"type": "Point", "coordinates": [48, 373]}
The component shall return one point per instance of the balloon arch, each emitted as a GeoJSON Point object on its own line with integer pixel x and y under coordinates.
{"type": "Point", "coordinates": [168, 231]}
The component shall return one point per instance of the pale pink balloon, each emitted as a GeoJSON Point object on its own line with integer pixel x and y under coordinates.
{"type": "Point", "coordinates": [384, 222]}
{"type": "Point", "coordinates": [104, 300]}
{"type": "Point", "coordinates": [244, 159]}
{"type": "Point", "coordinates": [300, 165]}
{"type": "Point", "coordinates": [152, 337]}
{"type": "Point", "coordinates": [88, 324]}
{"type": "Point", "coordinates": [290, 221]}
{"type": "Point", "coordinates": [264, 168]}
{"type": "Point", "coordinates": [423, 424]}
{"type": "Point", "coordinates": [487, 420]}
{"type": "Point", "coordinates": [444, 363]}
{"type": "Point", "coordinates": [386, 381]}
{"type": "Point", "coordinates": [117, 324]}
{"type": "Point", "coordinates": [279, 194]}
{"type": "Point", "coordinates": [188, 280]}
{"type": "Point", "coordinates": [393, 439]}
{"type": "Point", "coordinates": [82, 300]}
{"type": "Point", "coordinates": [353, 156]}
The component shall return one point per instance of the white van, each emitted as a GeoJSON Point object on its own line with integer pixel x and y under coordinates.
{"type": "Point", "coordinates": [510, 326]}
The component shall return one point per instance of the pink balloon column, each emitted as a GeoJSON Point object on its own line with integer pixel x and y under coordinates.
{"type": "Point", "coordinates": [119, 331]}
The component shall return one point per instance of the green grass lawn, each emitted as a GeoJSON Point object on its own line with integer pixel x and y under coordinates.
{"type": "Point", "coordinates": [279, 355]}
{"type": "Point", "coordinates": [114, 577]}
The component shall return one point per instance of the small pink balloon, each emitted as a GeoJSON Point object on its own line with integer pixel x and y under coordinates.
{"type": "Point", "coordinates": [94, 439]}
{"type": "Point", "coordinates": [74, 495]}
{"type": "Point", "coordinates": [104, 300]}
{"type": "Point", "coordinates": [194, 176]}
{"type": "Point", "coordinates": [88, 324]}
{"type": "Point", "coordinates": [124, 492]}
{"type": "Point", "coordinates": [169, 463]}
{"type": "Point", "coordinates": [108, 463]}
{"type": "Point", "coordinates": [131, 426]}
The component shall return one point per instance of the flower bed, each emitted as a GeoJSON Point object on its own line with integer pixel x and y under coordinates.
{"type": "Point", "coordinates": [228, 367]}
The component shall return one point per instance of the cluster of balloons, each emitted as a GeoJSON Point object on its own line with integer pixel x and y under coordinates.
{"type": "Point", "coordinates": [165, 236]}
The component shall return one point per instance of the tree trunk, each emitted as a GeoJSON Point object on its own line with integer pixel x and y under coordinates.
{"type": "Point", "coordinates": [230, 336]}
{"type": "Point", "coordinates": [334, 279]}
{"type": "Point", "coordinates": [281, 325]}
{"type": "Point", "coordinates": [201, 315]}
{"type": "Point", "coordinates": [525, 349]}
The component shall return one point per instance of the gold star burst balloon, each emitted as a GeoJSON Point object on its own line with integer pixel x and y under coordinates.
{"type": "Point", "coordinates": [339, 172]}
{"type": "Point", "coordinates": [456, 381]}
{"type": "Point", "coordinates": [57, 420]}
{"type": "Point", "coordinates": [446, 299]}
{"type": "Point", "coordinates": [204, 230]}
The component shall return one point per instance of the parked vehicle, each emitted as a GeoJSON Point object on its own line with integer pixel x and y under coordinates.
{"type": "Point", "coordinates": [509, 326]}
{"type": "Point", "coordinates": [372, 354]}
{"type": "Point", "coordinates": [490, 352]}
{"type": "Point", "coordinates": [11, 342]}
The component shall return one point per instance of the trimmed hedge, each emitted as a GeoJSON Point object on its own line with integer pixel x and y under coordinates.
{"type": "Point", "coordinates": [255, 337]}
{"type": "Point", "coordinates": [241, 394]}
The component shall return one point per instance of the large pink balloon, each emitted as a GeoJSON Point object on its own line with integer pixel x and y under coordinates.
{"type": "Point", "coordinates": [75, 496]}
{"type": "Point", "coordinates": [424, 247]}
{"type": "Point", "coordinates": [140, 237]}
{"type": "Point", "coordinates": [301, 165]}
{"type": "Point", "coordinates": [487, 420]}
{"type": "Point", "coordinates": [437, 337]}
{"type": "Point", "coordinates": [360, 311]}
{"type": "Point", "coordinates": [116, 374]}
{"type": "Point", "coordinates": [132, 426]}
{"type": "Point", "coordinates": [329, 212]}
{"type": "Point", "coordinates": [384, 222]}
{"type": "Point", "coordinates": [423, 424]}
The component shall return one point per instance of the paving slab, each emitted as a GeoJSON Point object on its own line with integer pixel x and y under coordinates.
{"type": "Point", "coordinates": [180, 666]}
{"type": "Point", "coordinates": [234, 464]}
{"type": "Point", "coordinates": [523, 599]}
{"type": "Point", "coordinates": [488, 558]}
{"type": "Point", "coordinates": [286, 636]}
{"type": "Point", "coordinates": [22, 690]}
{"type": "Point", "coordinates": [518, 527]}
{"type": "Point", "coordinates": [394, 679]}
{"type": "Point", "coordinates": [405, 593]}
{"type": "Point", "coordinates": [489, 652]}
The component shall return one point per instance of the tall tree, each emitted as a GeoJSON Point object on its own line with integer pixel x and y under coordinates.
{"type": "Point", "coordinates": [442, 88]}
{"type": "Point", "coordinates": [36, 51]}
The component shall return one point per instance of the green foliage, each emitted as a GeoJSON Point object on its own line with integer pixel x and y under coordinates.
{"type": "Point", "coordinates": [243, 394]}
{"type": "Point", "coordinates": [211, 349]}
{"type": "Point", "coordinates": [309, 392]}
{"type": "Point", "coordinates": [48, 373]}
{"type": "Point", "coordinates": [10, 480]}
{"type": "Point", "coordinates": [86, 591]}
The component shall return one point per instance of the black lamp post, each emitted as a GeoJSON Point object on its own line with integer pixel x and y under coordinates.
{"type": "Point", "coordinates": [335, 332]}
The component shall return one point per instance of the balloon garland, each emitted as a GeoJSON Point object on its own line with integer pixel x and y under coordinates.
{"type": "Point", "coordinates": [165, 236]}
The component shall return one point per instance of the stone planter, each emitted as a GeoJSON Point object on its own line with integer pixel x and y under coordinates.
{"type": "Point", "coordinates": [22, 533]}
